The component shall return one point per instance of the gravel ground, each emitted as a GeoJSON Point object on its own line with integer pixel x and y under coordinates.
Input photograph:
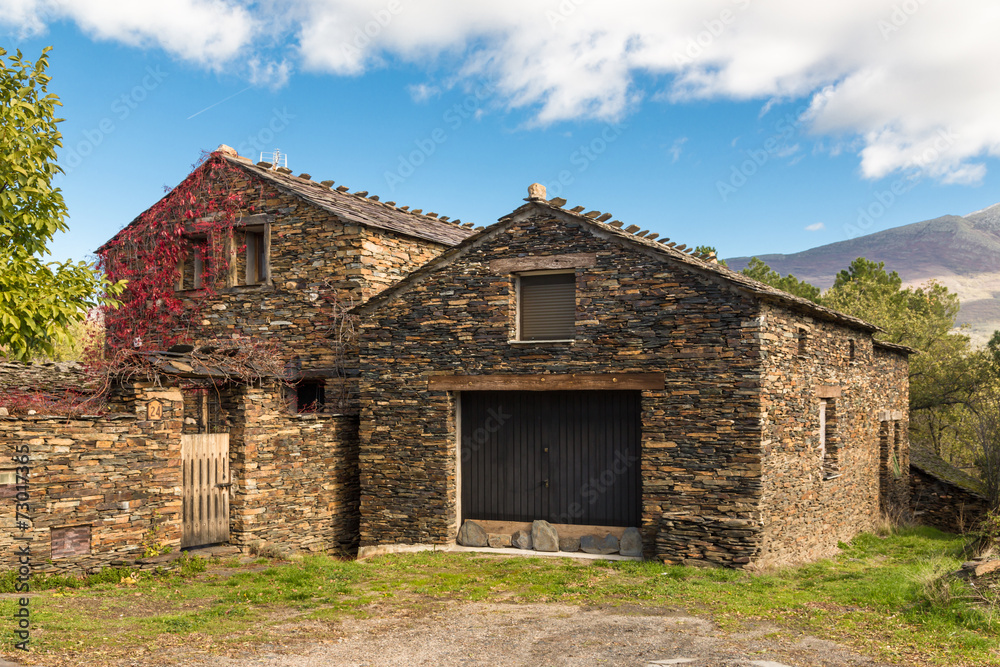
{"type": "Point", "coordinates": [539, 635]}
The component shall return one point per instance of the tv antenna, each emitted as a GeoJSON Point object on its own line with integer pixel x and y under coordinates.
{"type": "Point", "coordinates": [277, 159]}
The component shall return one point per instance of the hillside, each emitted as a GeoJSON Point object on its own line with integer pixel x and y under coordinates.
{"type": "Point", "coordinates": [961, 252]}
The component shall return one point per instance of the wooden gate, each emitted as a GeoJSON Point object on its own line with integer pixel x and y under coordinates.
{"type": "Point", "coordinates": [205, 461]}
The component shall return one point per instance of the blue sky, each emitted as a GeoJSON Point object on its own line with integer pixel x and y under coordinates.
{"type": "Point", "coordinates": [756, 127]}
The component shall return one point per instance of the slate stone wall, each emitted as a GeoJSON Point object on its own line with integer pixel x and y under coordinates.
{"type": "Point", "coordinates": [705, 541]}
{"type": "Point", "coordinates": [295, 477]}
{"type": "Point", "coordinates": [52, 377]}
{"type": "Point", "coordinates": [315, 258]}
{"type": "Point", "coordinates": [808, 507]}
{"type": "Point", "coordinates": [120, 475]}
{"type": "Point", "coordinates": [635, 313]}
{"type": "Point", "coordinates": [945, 506]}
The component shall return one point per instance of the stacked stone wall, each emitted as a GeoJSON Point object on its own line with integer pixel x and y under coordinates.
{"type": "Point", "coordinates": [944, 505]}
{"type": "Point", "coordinates": [51, 377]}
{"type": "Point", "coordinates": [118, 475]}
{"type": "Point", "coordinates": [635, 313]}
{"type": "Point", "coordinates": [686, 539]}
{"type": "Point", "coordinates": [295, 477]}
{"type": "Point", "coordinates": [812, 502]}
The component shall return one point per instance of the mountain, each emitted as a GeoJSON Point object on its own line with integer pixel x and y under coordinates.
{"type": "Point", "coordinates": [960, 252]}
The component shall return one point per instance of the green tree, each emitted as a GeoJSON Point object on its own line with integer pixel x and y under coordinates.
{"type": "Point", "coordinates": [707, 250]}
{"type": "Point", "coordinates": [39, 300]}
{"type": "Point", "coordinates": [947, 370]}
{"type": "Point", "coordinates": [760, 271]}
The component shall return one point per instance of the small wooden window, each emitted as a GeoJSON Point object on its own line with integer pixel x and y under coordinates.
{"type": "Point", "coordinates": [70, 541]}
{"type": "Point", "coordinates": [256, 258]}
{"type": "Point", "coordinates": [310, 396]}
{"type": "Point", "coordinates": [547, 307]}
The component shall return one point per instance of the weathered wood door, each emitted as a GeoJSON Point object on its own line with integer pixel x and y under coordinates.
{"type": "Point", "coordinates": [205, 461]}
{"type": "Point", "coordinates": [563, 456]}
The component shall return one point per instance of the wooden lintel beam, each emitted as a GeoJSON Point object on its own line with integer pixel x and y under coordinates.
{"type": "Point", "coordinates": [581, 260]}
{"type": "Point", "coordinates": [573, 381]}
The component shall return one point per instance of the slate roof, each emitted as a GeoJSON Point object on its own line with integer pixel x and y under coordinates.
{"type": "Point", "coordinates": [634, 235]}
{"type": "Point", "coordinates": [358, 208]}
{"type": "Point", "coordinates": [940, 469]}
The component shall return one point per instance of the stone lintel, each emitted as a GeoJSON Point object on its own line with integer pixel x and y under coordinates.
{"type": "Point", "coordinates": [828, 391]}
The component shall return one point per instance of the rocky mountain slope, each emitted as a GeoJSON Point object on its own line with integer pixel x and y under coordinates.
{"type": "Point", "coordinates": [961, 252]}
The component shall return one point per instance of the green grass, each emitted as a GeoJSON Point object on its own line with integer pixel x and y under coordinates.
{"type": "Point", "coordinates": [883, 596]}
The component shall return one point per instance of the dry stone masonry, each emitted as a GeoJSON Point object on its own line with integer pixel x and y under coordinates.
{"type": "Point", "coordinates": [737, 463]}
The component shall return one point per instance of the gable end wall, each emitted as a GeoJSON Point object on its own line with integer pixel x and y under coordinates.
{"type": "Point", "coordinates": [635, 313]}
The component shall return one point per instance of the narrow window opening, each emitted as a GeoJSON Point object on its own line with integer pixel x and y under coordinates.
{"type": "Point", "coordinates": [850, 352]}
{"type": "Point", "coordinates": [897, 449]}
{"type": "Point", "coordinates": [828, 442]}
{"type": "Point", "coordinates": [802, 341]}
{"type": "Point", "coordinates": [310, 396]}
{"type": "Point", "coordinates": [547, 307]}
{"type": "Point", "coordinates": [191, 267]}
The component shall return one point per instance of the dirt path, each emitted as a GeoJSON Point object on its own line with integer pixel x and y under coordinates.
{"type": "Point", "coordinates": [537, 635]}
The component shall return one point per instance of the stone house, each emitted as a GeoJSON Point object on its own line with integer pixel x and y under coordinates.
{"type": "Point", "coordinates": [552, 366]}
{"type": "Point", "coordinates": [557, 367]}
{"type": "Point", "coordinates": [301, 250]}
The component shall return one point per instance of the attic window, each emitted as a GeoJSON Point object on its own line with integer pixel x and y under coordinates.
{"type": "Point", "coordinates": [310, 396]}
{"type": "Point", "coordinates": [547, 307]}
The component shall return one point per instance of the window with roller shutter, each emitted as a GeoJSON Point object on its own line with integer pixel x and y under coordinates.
{"type": "Point", "coordinates": [547, 307]}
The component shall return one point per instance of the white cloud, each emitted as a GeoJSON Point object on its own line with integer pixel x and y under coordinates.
{"type": "Point", "coordinates": [887, 75]}
{"type": "Point", "coordinates": [676, 149]}
{"type": "Point", "coordinates": [207, 32]}
{"type": "Point", "coordinates": [271, 74]}
{"type": "Point", "coordinates": [815, 227]}
{"type": "Point", "coordinates": [422, 92]}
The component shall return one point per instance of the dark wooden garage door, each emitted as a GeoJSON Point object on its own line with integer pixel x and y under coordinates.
{"type": "Point", "coordinates": [562, 456]}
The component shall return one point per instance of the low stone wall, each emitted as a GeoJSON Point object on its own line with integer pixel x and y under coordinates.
{"type": "Point", "coordinates": [690, 539]}
{"type": "Point", "coordinates": [47, 378]}
{"type": "Point", "coordinates": [944, 505]}
{"type": "Point", "coordinates": [96, 485]}
{"type": "Point", "coordinates": [295, 477]}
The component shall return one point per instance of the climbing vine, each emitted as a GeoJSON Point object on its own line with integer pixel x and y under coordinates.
{"type": "Point", "coordinates": [195, 220]}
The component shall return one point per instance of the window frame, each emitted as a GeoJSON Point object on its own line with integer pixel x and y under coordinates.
{"type": "Point", "coordinates": [195, 260]}
{"type": "Point", "coordinates": [519, 302]}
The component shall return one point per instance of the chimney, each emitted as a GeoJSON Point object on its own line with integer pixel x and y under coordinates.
{"type": "Point", "coordinates": [227, 150]}
{"type": "Point", "coordinates": [536, 192]}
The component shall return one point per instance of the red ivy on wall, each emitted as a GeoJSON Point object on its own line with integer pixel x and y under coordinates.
{"type": "Point", "coordinates": [151, 251]}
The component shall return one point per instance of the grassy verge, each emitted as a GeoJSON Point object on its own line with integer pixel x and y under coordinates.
{"type": "Point", "coordinates": [883, 596]}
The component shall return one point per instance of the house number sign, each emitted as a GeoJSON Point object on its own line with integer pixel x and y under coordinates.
{"type": "Point", "coordinates": [155, 410]}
